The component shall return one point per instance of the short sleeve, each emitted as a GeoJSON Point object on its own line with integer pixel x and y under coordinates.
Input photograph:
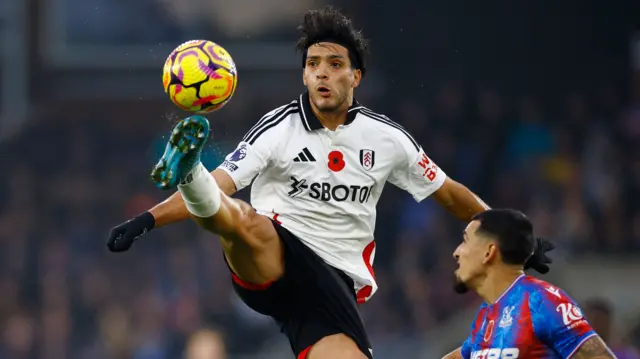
{"type": "Point", "coordinates": [558, 321]}
{"type": "Point", "coordinates": [246, 162]}
{"type": "Point", "coordinates": [254, 153]}
{"type": "Point", "coordinates": [465, 349]}
{"type": "Point", "coordinates": [415, 172]}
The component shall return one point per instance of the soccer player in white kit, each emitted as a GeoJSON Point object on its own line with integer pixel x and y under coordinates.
{"type": "Point", "coordinates": [303, 251]}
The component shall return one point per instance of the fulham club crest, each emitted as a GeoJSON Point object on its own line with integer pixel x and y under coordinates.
{"type": "Point", "coordinates": [367, 159]}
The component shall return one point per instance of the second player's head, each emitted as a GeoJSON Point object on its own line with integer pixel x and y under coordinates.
{"type": "Point", "coordinates": [497, 239]}
{"type": "Point", "coordinates": [332, 58]}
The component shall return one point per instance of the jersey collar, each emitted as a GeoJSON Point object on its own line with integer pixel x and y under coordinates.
{"type": "Point", "coordinates": [509, 288]}
{"type": "Point", "coordinates": [311, 122]}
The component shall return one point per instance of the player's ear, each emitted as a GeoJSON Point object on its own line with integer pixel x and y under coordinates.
{"type": "Point", "coordinates": [357, 77]}
{"type": "Point", "coordinates": [490, 253]}
{"type": "Point", "coordinates": [304, 78]}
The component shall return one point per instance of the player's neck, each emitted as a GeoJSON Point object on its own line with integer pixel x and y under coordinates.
{"type": "Point", "coordinates": [331, 120]}
{"type": "Point", "coordinates": [497, 282]}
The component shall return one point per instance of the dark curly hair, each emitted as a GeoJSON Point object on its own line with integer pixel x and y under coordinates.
{"type": "Point", "coordinates": [330, 25]}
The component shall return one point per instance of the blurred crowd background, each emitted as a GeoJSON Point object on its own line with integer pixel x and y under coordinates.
{"type": "Point", "coordinates": [532, 104]}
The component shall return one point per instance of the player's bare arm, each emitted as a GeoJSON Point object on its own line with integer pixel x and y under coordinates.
{"type": "Point", "coordinates": [594, 348]}
{"type": "Point", "coordinates": [456, 354]}
{"type": "Point", "coordinates": [459, 200]}
{"type": "Point", "coordinates": [173, 208]}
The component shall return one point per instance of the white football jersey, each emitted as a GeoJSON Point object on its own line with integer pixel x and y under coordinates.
{"type": "Point", "coordinates": [324, 185]}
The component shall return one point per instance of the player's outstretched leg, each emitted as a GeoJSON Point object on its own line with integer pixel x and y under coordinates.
{"type": "Point", "coordinates": [249, 240]}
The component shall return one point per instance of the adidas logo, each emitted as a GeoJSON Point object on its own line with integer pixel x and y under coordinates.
{"type": "Point", "coordinates": [304, 156]}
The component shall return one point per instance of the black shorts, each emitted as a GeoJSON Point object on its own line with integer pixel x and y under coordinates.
{"type": "Point", "coordinates": [310, 301]}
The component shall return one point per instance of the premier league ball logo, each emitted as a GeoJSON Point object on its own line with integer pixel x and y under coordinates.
{"type": "Point", "coordinates": [239, 154]}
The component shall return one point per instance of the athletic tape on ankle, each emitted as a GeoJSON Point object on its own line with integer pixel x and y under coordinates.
{"type": "Point", "coordinates": [201, 193]}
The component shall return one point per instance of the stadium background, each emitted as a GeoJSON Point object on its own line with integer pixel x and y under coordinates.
{"type": "Point", "coordinates": [532, 104]}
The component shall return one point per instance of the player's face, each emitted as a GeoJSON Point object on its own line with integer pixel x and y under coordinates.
{"type": "Point", "coordinates": [329, 77]}
{"type": "Point", "coordinates": [472, 256]}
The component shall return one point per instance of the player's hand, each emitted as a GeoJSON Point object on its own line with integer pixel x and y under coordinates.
{"type": "Point", "coordinates": [122, 236]}
{"type": "Point", "coordinates": [539, 261]}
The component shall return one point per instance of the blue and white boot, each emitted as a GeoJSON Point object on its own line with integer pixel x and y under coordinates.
{"type": "Point", "coordinates": [182, 153]}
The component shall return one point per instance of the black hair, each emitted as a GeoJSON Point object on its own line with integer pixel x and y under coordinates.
{"type": "Point", "coordinates": [512, 230]}
{"type": "Point", "coordinates": [330, 25]}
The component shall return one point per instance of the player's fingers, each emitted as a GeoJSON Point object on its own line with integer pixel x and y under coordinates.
{"type": "Point", "coordinates": [122, 244]}
{"type": "Point", "coordinates": [546, 245]}
{"type": "Point", "coordinates": [549, 246]}
{"type": "Point", "coordinates": [117, 240]}
{"type": "Point", "coordinates": [542, 268]}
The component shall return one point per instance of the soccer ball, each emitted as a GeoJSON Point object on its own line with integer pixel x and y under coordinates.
{"type": "Point", "coordinates": [200, 76]}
